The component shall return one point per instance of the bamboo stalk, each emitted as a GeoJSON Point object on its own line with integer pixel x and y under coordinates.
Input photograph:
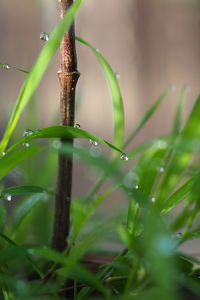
{"type": "Point", "coordinates": [68, 77]}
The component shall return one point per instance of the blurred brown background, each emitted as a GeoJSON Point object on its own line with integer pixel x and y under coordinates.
{"type": "Point", "coordinates": [150, 43]}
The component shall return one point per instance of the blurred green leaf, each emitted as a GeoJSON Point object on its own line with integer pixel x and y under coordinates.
{"type": "Point", "coordinates": [83, 275]}
{"type": "Point", "coordinates": [24, 208]}
{"type": "Point", "coordinates": [14, 158]}
{"type": "Point", "coordinates": [179, 113]}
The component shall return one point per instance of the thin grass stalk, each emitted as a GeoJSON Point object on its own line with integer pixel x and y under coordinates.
{"type": "Point", "coordinates": [68, 77]}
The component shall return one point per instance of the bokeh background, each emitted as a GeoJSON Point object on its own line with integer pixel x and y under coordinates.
{"type": "Point", "coordinates": [150, 43]}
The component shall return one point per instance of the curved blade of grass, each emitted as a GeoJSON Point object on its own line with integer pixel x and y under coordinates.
{"type": "Point", "coordinates": [22, 190]}
{"type": "Point", "coordinates": [33, 79]}
{"type": "Point", "coordinates": [23, 209]}
{"type": "Point", "coordinates": [16, 68]}
{"type": "Point", "coordinates": [182, 193]}
{"type": "Point", "coordinates": [118, 110]}
{"type": "Point", "coordinates": [147, 116]}
{"type": "Point", "coordinates": [63, 132]}
{"type": "Point", "coordinates": [12, 159]}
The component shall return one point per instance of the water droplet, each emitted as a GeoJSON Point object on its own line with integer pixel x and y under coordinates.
{"type": "Point", "coordinates": [160, 144]}
{"type": "Point", "coordinates": [153, 199]}
{"type": "Point", "coordinates": [27, 132]}
{"type": "Point", "coordinates": [117, 75]}
{"type": "Point", "coordinates": [97, 49]}
{"type": "Point", "coordinates": [123, 156]}
{"type": "Point", "coordinates": [6, 66]}
{"type": "Point", "coordinates": [95, 151]}
{"type": "Point", "coordinates": [57, 144]}
{"type": "Point", "coordinates": [131, 179]}
{"type": "Point", "coordinates": [94, 143]}
{"type": "Point", "coordinates": [172, 87]}
{"type": "Point", "coordinates": [44, 36]}
{"type": "Point", "coordinates": [162, 170]}
{"type": "Point", "coordinates": [77, 126]}
{"type": "Point", "coordinates": [72, 89]}
{"type": "Point", "coordinates": [3, 153]}
{"type": "Point", "coordinates": [136, 187]}
{"type": "Point", "coordinates": [26, 145]}
{"type": "Point", "coordinates": [8, 197]}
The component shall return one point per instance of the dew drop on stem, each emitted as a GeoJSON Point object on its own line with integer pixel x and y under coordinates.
{"type": "Point", "coordinates": [117, 76]}
{"type": "Point", "coordinates": [97, 49]}
{"type": "Point", "coordinates": [162, 170]}
{"type": "Point", "coordinates": [3, 153]}
{"type": "Point", "coordinates": [77, 126]}
{"type": "Point", "coordinates": [6, 66]}
{"type": "Point", "coordinates": [94, 143]}
{"type": "Point", "coordinates": [124, 157]}
{"type": "Point", "coordinates": [153, 199]}
{"type": "Point", "coordinates": [44, 36]}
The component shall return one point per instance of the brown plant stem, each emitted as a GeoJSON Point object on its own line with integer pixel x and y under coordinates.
{"type": "Point", "coordinates": [68, 77]}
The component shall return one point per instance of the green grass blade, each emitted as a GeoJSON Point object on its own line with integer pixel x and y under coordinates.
{"type": "Point", "coordinates": [21, 190]}
{"type": "Point", "coordinates": [118, 110]}
{"type": "Point", "coordinates": [33, 79]}
{"type": "Point", "coordinates": [25, 208]}
{"type": "Point", "coordinates": [147, 116]}
{"type": "Point", "coordinates": [63, 132]}
{"type": "Point", "coordinates": [179, 112]}
{"type": "Point", "coordinates": [182, 193]}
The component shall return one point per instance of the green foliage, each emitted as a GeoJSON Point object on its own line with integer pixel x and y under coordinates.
{"type": "Point", "coordinates": [165, 176]}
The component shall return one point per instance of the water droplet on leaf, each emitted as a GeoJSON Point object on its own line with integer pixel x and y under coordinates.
{"type": "Point", "coordinates": [26, 145]}
{"type": "Point", "coordinates": [153, 199]}
{"type": "Point", "coordinates": [162, 170]}
{"type": "Point", "coordinates": [57, 144]}
{"type": "Point", "coordinates": [8, 197]}
{"type": "Point", "coordinates": [95, 151]}
{"type": "Point", "coordinates": [6, 66]}
{"type": "Point", "coordinates": [97, 49]}
{"type": "Point", "coordinates": [27, 132]}
{"type": "Point", "coordinates": [3, 153]}
{"type": "Point", "coordinates": [123, 156]}
{"type": "Point", "coordinates": [117, 75]}
{"type": "Point", "coordinates": [136, 187]}
{"type": "Point", "coordinates": [94, 143]}
{"type": "Point", "coordinates": [44, 36]}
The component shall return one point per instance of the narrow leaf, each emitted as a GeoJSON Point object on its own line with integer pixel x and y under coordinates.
{"type": "Point", "coordinates": [118, 110]}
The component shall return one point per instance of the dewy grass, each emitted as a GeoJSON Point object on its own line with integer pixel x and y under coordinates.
{"type": "Point", "coordinates": [147, 262]}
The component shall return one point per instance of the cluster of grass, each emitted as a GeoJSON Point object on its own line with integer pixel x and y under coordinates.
{"type": "Point", "coordinates": [160, 174]}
